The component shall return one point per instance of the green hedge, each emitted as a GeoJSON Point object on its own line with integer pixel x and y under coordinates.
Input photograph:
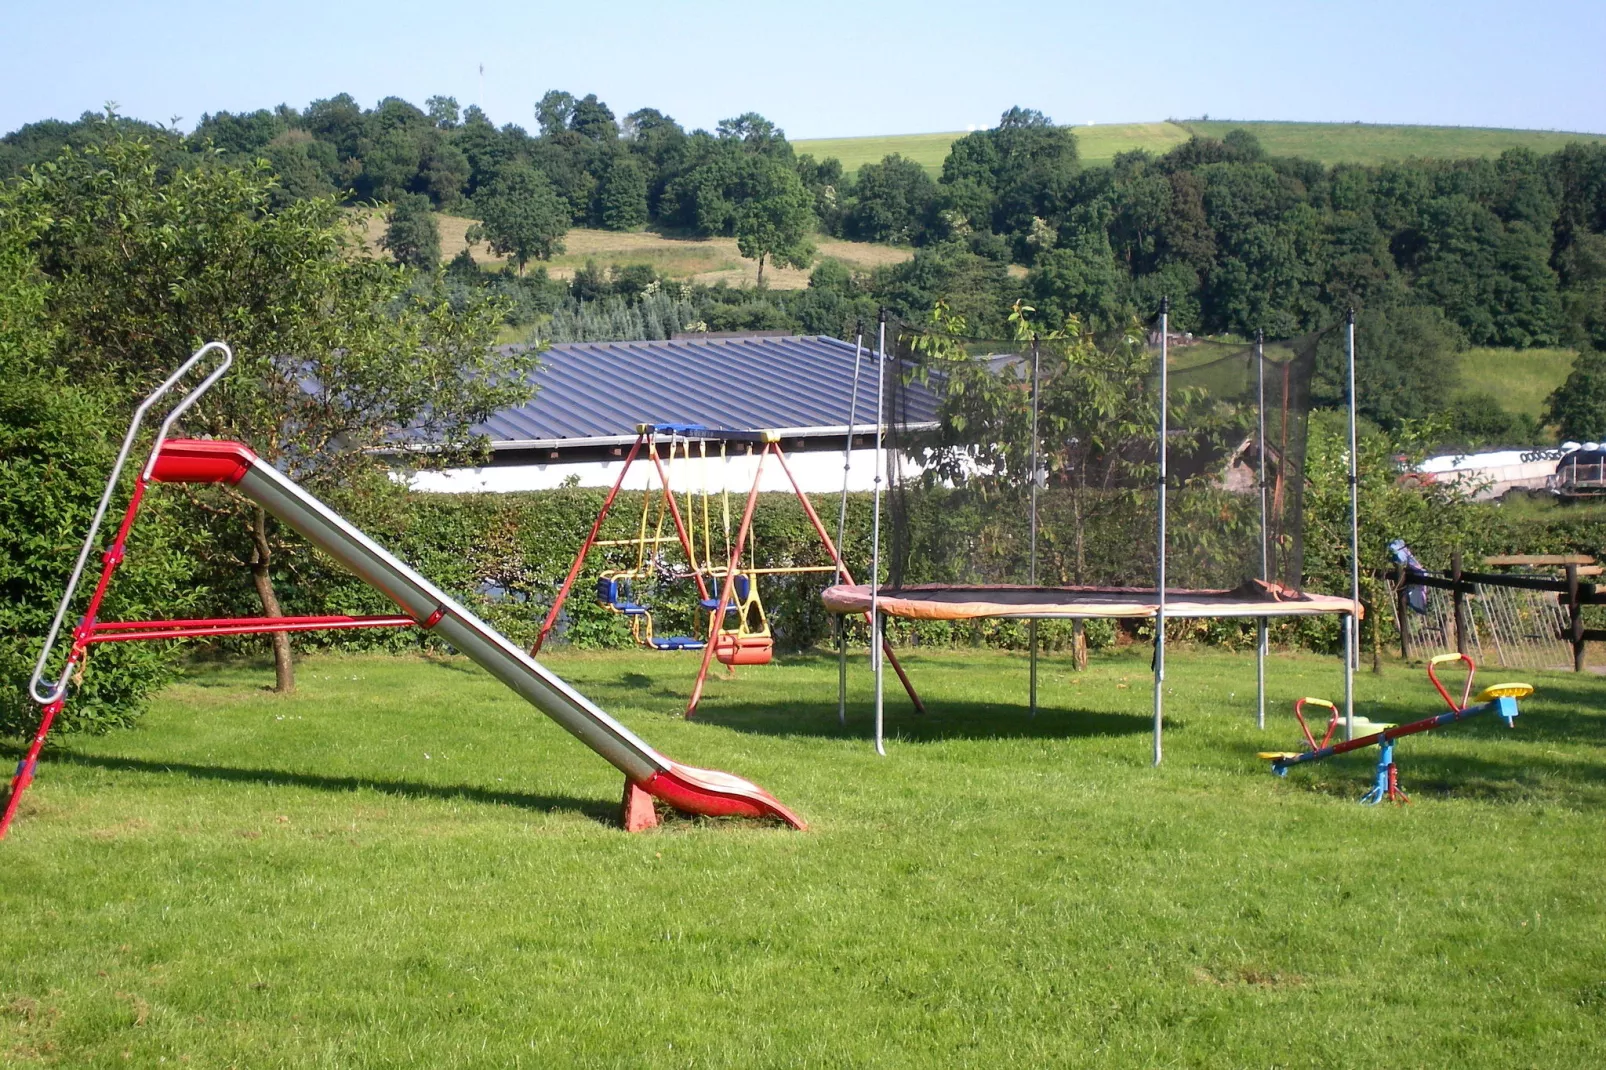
{"type": "Point", "coordinates": [505, 556]}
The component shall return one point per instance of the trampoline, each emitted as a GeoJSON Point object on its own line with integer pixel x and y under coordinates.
{"type": "Point", "coordinates": [1071, 459]}
{"type": "Point", "coordinates": [936, 601]}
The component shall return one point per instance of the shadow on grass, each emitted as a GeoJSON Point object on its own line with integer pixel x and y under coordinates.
{"type": "Point", "coordinates": [602, 812]}
{"type": "Point", "coordinates": [942, 721]}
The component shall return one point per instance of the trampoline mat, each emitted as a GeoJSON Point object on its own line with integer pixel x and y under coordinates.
{"type": "Point", "coordinates": [952, 602]}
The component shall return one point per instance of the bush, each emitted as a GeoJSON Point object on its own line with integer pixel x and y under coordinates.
{"type": "Point", "coordinates": [56, 448]}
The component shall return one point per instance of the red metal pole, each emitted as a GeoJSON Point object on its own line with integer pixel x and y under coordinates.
{"type": "Point", "coordinates": [81, 634]}
{"type": "Point", "coordinates": [680, 527]}
{"type": "Point", "coordinates": [24, 774]}
{"type": "Point", "coordinates": [134, 631]}
{"type": "Point", "coordinates": [836, 559]}
{"type": "Point", "coordinates": [728, 588]}
{"type": "Point", "coordinates": [585, 548]}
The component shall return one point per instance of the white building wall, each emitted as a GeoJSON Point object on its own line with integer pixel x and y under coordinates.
{"type": "Point", "coordinates": [1492, 474]}
{"type": "Point", "coordinates": [817, 472]}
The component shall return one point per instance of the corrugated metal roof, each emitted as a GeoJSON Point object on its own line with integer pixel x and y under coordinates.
{"type": "Point", "coordinates": [591, 391]}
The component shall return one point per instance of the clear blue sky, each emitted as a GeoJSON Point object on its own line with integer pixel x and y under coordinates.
{"type": "Point", "coordinates": [826, 68]}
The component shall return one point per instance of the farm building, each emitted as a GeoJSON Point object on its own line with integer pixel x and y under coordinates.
{"type": "Point", "coordinates": [1491, 474]}
{"type": "Point", "coordinates": [592, 395]}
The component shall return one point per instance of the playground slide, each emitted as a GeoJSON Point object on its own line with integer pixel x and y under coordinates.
{"type": "Point", "coordinates": [698, 791]}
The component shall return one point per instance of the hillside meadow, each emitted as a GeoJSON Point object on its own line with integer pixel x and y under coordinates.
{"type": "Point", "coordinates": [1330, 143]}
{"type": "Point", "coordinates": [706, 261]}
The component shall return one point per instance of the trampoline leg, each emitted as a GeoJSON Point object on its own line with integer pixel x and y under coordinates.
{"type": "Point", "coordinates": [842, 670]}
{"type": "Point", "coordinates": [1349, 677]}
{"type": "Point", "coordinates": [1159, 688]}
{"type": "Point", "coordinates": [877, 660]}
{"type": "Point", "coordinates": [1031, 631]}
{"type": "Point", "coordinates": [1260, 674]}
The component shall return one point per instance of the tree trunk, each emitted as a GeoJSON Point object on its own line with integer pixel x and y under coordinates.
{"type": "Point", "coordinates": [1076, 518]}
{"type": "Point", "coordinates": [1377, 641]}
{"type": "Point", "coordinates": [284, 669]}
{"type": "Point", "coordinates": [1079, 644]}
{"type": "Point", "coordinates": [760, 282]}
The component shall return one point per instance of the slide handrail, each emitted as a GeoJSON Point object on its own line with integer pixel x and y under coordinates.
{"type": "Point", "coordinates": [189, 398]}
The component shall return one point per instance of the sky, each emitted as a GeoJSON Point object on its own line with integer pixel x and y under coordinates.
{"type": "Point", "coordinates": [826, 68]}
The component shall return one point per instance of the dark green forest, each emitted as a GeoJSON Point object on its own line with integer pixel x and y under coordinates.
{"type": "Point", "coordinates": [1437, 255]}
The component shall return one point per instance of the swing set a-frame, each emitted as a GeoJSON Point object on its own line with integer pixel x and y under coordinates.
{"type": "Point", "coordinates": [737, 630]}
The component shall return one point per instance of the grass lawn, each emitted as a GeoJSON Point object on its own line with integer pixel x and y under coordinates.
{"type": "Point", "coordinates": [404, 865]}
{"type": "Point", "coordinates": [1367, 143]}
{"type": "Point", "coordinates": [1521, 378]}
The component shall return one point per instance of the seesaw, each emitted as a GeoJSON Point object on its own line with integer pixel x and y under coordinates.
{"type": "Point", "coordinates": [1500, 700]}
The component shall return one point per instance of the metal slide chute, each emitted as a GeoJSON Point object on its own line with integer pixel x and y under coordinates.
{"type": "Point", "coordinates": [685, 788]}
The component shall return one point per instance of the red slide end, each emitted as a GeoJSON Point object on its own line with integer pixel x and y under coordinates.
{"type": "Point", "coordinates": [716, 794]}
{"type": "Point", "coordinates": [194, 460]}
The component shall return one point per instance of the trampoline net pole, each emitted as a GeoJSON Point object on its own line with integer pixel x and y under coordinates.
{"type": "Point", "coordinates": [1352, 619]}
{"type": "Point", "coordinates": [1261, 630]}
{"type": "Point", "coordinates": [1031, 574]}
{"type": "Point", "coordinates": [1159, 579]}
{"type": "Point", "coordinates": [841, 532]}
{"type": "Point", "coordinates": [876, 626]}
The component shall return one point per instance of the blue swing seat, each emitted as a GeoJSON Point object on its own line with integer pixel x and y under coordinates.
{"type": "Point", "coordinates": [616, 596]}
{"type": "Point", "coordinates": [738, 596]}
{"type": "Point", "coordinates": [676, 642]}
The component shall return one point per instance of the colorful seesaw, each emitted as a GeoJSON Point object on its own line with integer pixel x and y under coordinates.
{"type": "Point", "coordinates": [1500, 699]}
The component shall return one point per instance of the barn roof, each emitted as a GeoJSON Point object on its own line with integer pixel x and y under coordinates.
{"type": "Point", "coordinates": [596, 393]}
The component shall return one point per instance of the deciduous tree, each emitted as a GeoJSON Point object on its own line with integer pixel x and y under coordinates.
{"type": "Point", "coordinates": [334, 355]}
{"type": "Point", "coordinates": [521, 216]}
{"type": "Point", "coordinates": [411, 234]}
{"type": "Point", "coordinates": [1578, 406]}
{"type": "Point", "coordinates": [774, 217]}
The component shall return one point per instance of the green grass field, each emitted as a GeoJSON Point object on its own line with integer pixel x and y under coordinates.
{"type": "Point", "coordinates": [1330, 143]}
{"type": "Point", "coordinates": [1520, 378]}
{"type": "Point", "coordinates": [402, 865]}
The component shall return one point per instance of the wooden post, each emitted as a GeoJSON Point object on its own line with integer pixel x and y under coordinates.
{"type": "Point", "coordinates": [1575, 612]}
{"type": "Point", "coordinates": [1460, 601]}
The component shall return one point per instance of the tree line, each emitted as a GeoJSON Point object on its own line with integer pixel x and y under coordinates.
{"type": "Point", "coordinates": [1510, 251]}
{"type": "Point", "coordinates": [1438, 254]}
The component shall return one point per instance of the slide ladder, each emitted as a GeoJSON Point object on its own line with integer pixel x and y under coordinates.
{"type": "Point", "coordinates": [648, 774]}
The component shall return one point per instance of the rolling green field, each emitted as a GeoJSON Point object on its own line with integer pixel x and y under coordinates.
{"type": "Point", "coordinates": [1330, 143]}
{"type": "Point", "coordinates": [1520, 378]}
{"type": "Point", "coordinates": [402, 865]}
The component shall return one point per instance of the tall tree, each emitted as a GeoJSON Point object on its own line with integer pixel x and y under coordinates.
{"type": "Point", "coordinates": [1578, 406]}
{"type": "Point", "coordinates": [892, 201]}
{"type": "Point", "coordinates": [774, 217]}
{"type": "Point", "coordinates": [521, 216]}
{"type": "Point", "coordinates": [624, 194]}
{"type": "Point", "coordinates": [411, 234]}
{"type": "Point", "coordinates": [333, 355]}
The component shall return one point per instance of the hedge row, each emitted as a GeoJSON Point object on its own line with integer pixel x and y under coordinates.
{"type": "Point", "coordinates": [505, 556]}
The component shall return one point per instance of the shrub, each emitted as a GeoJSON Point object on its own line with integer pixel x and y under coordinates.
{"type": "Point", "coordinates": [56, 448]}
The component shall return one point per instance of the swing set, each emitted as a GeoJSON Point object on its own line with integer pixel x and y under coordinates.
{"type": "Point", "coordinates": [730, 612]}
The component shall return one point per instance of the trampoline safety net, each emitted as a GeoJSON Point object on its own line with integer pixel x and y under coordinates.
{"type": "Point", "coordinates": [962, 486]}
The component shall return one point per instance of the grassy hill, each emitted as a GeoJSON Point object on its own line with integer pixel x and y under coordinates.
{"type": "Point", "coordinates": [1521, 379]}
{"type": "Point", "coordinates": [1328, 142]}
{"type": "Point", "coordinates": [701, 260]}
